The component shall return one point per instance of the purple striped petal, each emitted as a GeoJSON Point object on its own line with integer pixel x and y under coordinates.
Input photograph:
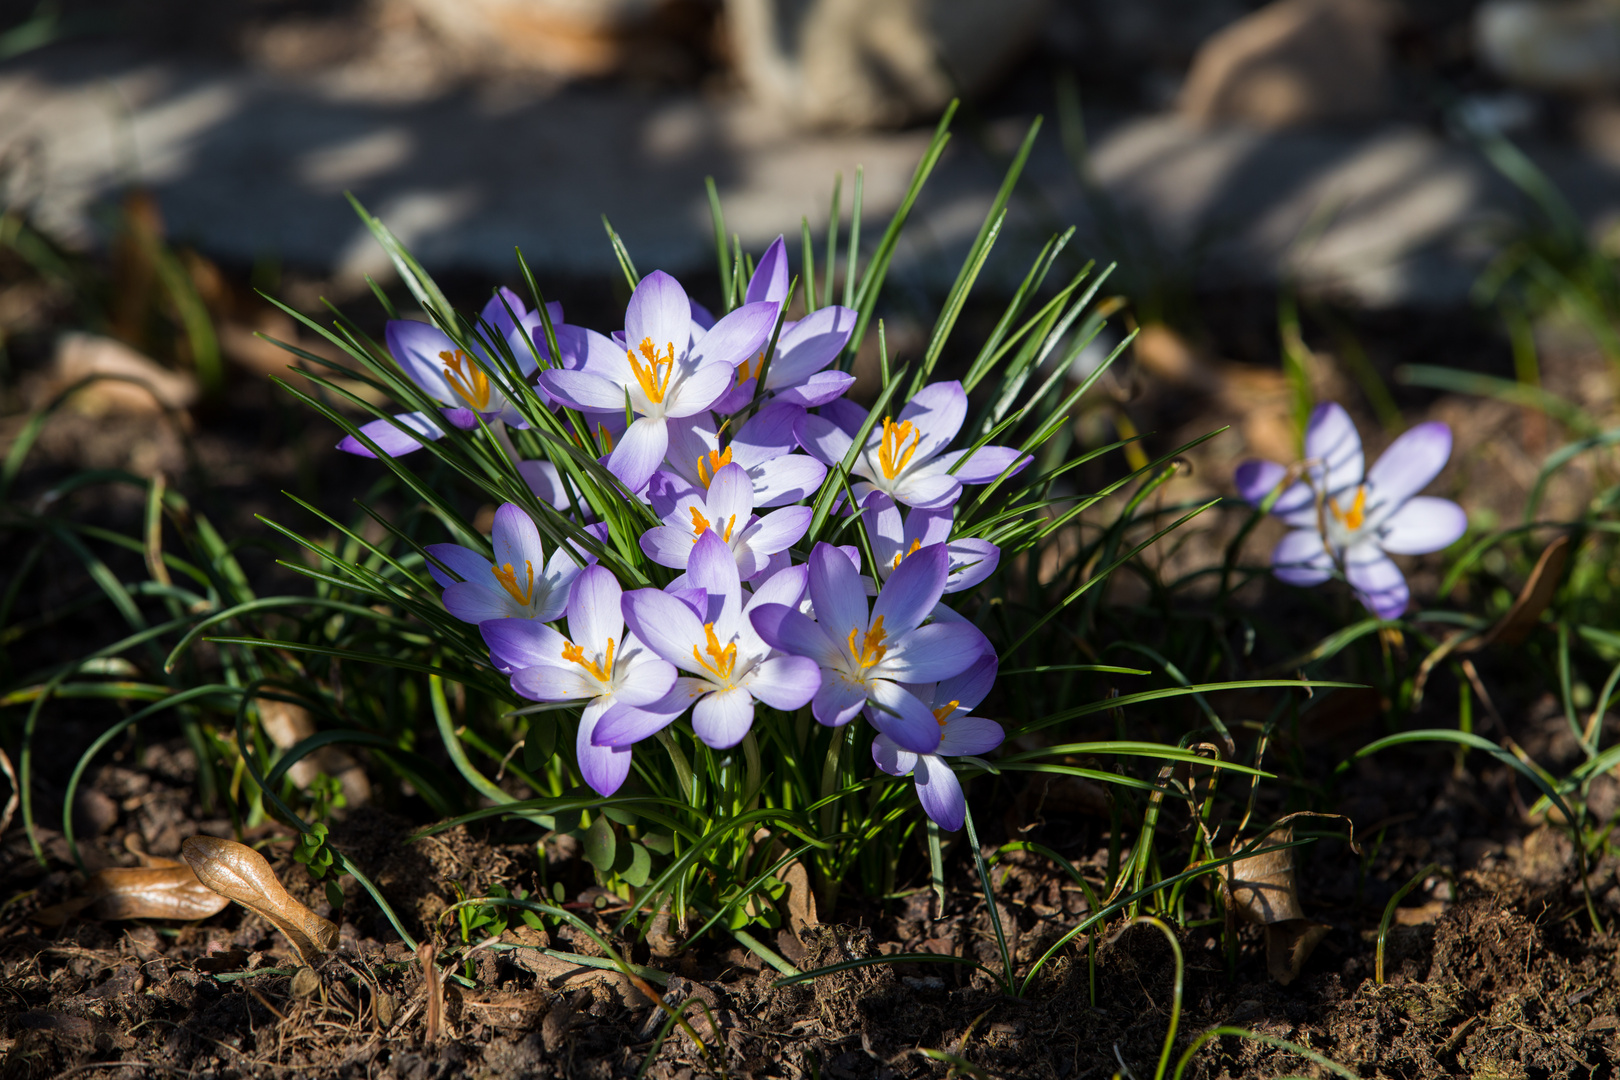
{"type": "Point", "coordinates": [542, 682]}
{"type": "Point", "coordinates": [837, 702]}
{"type": "Point", "coordinates": [722, 718]}
{"type": "Point", "coordinates": [415, 347]}
{"type": "Point", "coordinates": [660, 311]}
{"type": "Point", "coordinates": [795, 633]}
{"type": "Point", "coordinates": [817, 389]}
{"type": "Point", "coordinates": [911, 592]}
{"type": "Point", "coordinates": [1408, 465]}
{"type": "Point", "coordinates": [891, 757]}
{"type": "Point", "coordinates": [836, 592]}
{"type": "Point", "coordinates": [822, 439]}
{"type": "Point", "coordinates": [938, 410]}
{"type": "Point", "coordinates": [970, 735]}
{"type": "Point", "coordinates": [466, 563]}
{"type": "Point", "coordinates": [639, 452]}
{"type": "Point", "coordinates": [390, 439]}
{"type": "Point", "coordinates": [900, 716]}
{"type": "Point", "coordinates": [640, 679]}
{"type": "Point", "coordinates": [1333, 447]}
{"type": "Point", "coordinates": [593, 609]}
{"type": "Point", "coordinates": [1378, 582]}
{"type": "Point", "coordinates": [584, 390]}
{"type": "Point", "coordinates": [698, 391]}
{"type": "Point", "coordinates": [1423, 525]}
{"type": "Point", "coordinates": [666, 625]}
{"type": "Point", "coordinates": [626, 725]}
{"type": "Point", "coordinates": [940, 792]}
{"type": "Point", "coordinates": [522, 643]}
{"type": "Point", "coordinates": [930, 653]}
{"type": "Point", "coordinates": [786, 682]}
{"type": "Point", "coordinates": [1300, 558]}
{"type": "Point", "coordinates": [770, 280]}
{"type": "Point", "coordinates": [737, 337]}
{"type": "Point", "coordinates": [603, 767]}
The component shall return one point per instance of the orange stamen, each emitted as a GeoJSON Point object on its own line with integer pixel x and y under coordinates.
{"type": "Point", "coordinates": [871, 650]}
{"type": "Point", "coordinates": [576, 655]}
{"type": "Point", "coordinates": [724, 659]}
{"type": "Point", "coordinates": [467, 379]}
{"type": "Point", "coordinates": [508, 579]}
{"type": "Point", "coordinates": [943, 713]}
{"type": "Point", "coordinates": [654, 385]}
{"type": "Point", "coordinates": [743, 372]}
{"type": "Point", "coordinates": [606, 437]}
{"type": "Point", "coordinates": [1354, 517]}
{"type": "Point", "coordinates": [711, 463]}
{"type": "Point", "coordinates": [699, 523]}
{"type": "Point", "coordinates": [893, 453]}
{"type": "Point", "coordinates": [916, 545]}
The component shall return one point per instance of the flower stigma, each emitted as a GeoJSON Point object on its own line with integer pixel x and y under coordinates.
{"type": "Point", "coordinates": [1352, 518]}
{"type": "Point", "coordinates": [711, 463]}
{"type": "Point", "coordinates": [916, 546]}
{"type": "Point", "coordinates": [724, 659]}
{"type": "Point", "coordinates": [893, 453]}
{"type": "Point", "coordinates": [871, 650]}
{"type": "Point", "coordinates": [576, 655]}
{"type": "Point", "coordinates": [467, 379]}
{"type": "Point", "coordinates": [508, 579]}
{"type": "Point", "coordinates": [943, 713]}
{"type": "Point", "coordinates": [700, 523]}
{"type": "Point", "coordinates": [652, 384]}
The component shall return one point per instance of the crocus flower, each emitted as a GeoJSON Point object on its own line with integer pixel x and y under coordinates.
{"type": "Point", "coordinates": [880, 649]}
{"type": "Point", "coordinates": [1345, 518]}
{"type": "Point", "coordinates": [662, 373]}
{"type": "Point", "coordinates": [796, 375]}
{"type": "Point", "coordinates": [726, 510]}
{"type": "Point", "coordinates": [903, 458]}
{"type": "Point", "coordinates": [764, 446]}
{"type": "Point", "coordinates": [446, 373]}
{"type": "Point", "coordinates": [520, 584]}
{"type": "Point", "coordinates": [730, 665]}
{"type": "Point", "coordinates": [597, 663]}
{"type": "Point", "coordinates": [951, 701]}
{"type": "Point", "coordinates": [894, 538]}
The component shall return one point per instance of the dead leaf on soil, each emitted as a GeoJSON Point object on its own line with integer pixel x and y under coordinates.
{"type": "Point", "coordinates": [1289, 944]}
{"type": "Point", "coordinates": [801, 899]}
{"type": "Point", "coordinates": [237, 872]}
{"type": "Point", "coordinates": [1262, 888]}
{"type": "Point", "coordinates": [163, 889]}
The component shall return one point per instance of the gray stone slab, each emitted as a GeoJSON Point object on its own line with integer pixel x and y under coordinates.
{"type": "Point", "coordinates": [248, 164]}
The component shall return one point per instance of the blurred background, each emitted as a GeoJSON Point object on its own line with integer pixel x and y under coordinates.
{"type": "Point", "coordinates": [1319, 190]}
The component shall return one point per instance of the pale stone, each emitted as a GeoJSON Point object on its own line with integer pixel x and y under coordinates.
{"type": "Point", "coordinates": [125, 380]}
{"type": "Point", "coordinates": [1551, 46]}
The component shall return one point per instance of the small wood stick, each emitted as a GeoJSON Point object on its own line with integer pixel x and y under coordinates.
{"type": "Point", "coordinates": [435, 991]}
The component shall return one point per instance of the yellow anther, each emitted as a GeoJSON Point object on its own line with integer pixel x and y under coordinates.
{"type": "Point", "coordinates": [699, 523]}
{"type": "Point", "coordinates": [724, 659]}
{"type": "Point", "coordinates": [508, 579]}
{"type": "Point", "coordinates": [653, 384]}
{"type": "Point", "coordinates": [606, 437]}
{"type": "Point", "coordinates": [893, 453]}
{"type": "Point", "coordinates": [731, 523]}
{"type": "Point", "coordinates": [943, 713]}
{"type": "Point", "coordinates": [467, 379]}
{"type": "Point", "coordinates": [871, 649]}
{"type": "Point", "coordinates": [1352, 518]}
{"type": "Point", "coordinates": [711, 463]}
{"type": "Point", "coordinates": [916, 545]}
{"type": "Point", "coordinates": [576, 655]}
{"type": "Point", "coordinates": [750, 369]}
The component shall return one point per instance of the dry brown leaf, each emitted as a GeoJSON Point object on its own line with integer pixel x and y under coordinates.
{"type": "Point", "coordinates": [237, 872]}
{"type": "Point", "coordinates": [801, 899]}
{"type": "Point", "coordinates": [150, 892]}
{"type": "Point", "coordinates": [1532, 600]}
{"type": "Point", "coordinates": [1289, 944]}
{"type": "Point", "coordinates": [1262, 886]}
{"type": "Point", "coordinates": [305, 983]}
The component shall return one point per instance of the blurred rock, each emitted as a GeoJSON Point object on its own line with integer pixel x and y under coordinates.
{"type": "Point", "coordinates": [569, 38]}
{"type": "Point", "coordinates": [126, 382]}
{"type": "Point", "coordinates": [872, 63]}
{"type": "Point", "coordinates": [1294, 63]}
{"type": "Point", "coordinates": [287, 725]}
{"type": "Point", "coordinates": [1551, 46]}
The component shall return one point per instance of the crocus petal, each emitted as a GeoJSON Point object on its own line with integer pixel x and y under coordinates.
{"type": "Point", "coordinates": [836, 593]}
{"type": "Point", "coordinates": [390, 439]}
{"type": "Point", "coordinates": [786, 682]}
{"type": "Point", "coordinates": [785, 628]}
{"type": "Point", "coordinates": [817, 389]}
{"type": "Point", "coordinates": [971, 562]}
{"type": "Point", "coordinates": [642, 680]}
{"type": "Point", "coordinates": [910, 593]}
{"type": "Point", "coordinates": [722, 718]}
{"type": "Point", "coordinates": [415, 347]}
{"type": "Point", "coordinates": [1377, 580]}
{"type": "Point", "coordinates": [697, 391]}
{"type": "Point", "coordinates": [899, 715]}
{"type": "Point", "coordinates": [822, 439]}
{"type": "Point", "coordinates": [712, 567]}
{"type": "Point", "coordinates": [779, 530]}
{"type": "Point", "coordinates": [736, 337]}
{"type": "Point", "coordinates": [666, 625]}
{"type": "Point", "coordinates": [940, 793]}
{"type": "Point", "coordinates": [542, 682]}
{"type": "Point", "coordinates": [731, 495]}
{"type": "Point", "coordinates": [928, 492]}
{"type": "Point", "coordinates": [522, 643]}
{"type": "Point", "coordinates": [985, 464]}
{"type": "Point", "coordinates": [938, 410]}
{"type": "Point", "coordinates": [1423, 525]}
{"type": "Point", "coordinates": [785, 586]}
{"type": "Point", "coordinates": [466, 563]}
{"type": "Point", "coordinates": [837, 702]}
{"type": "Point", "coordinates": [1256, 479]}
{"type": "Point", "coordinates": [593, 609]}
{"type": "Point", "coordinates": [660, 311]}
{"type": "Point", "coordinates": [1300, 558]}
{"type": "Point", "coordinates": [473, 603]}
{"type": "Point", "coordinates": [516, 540]}
{"type": "Point", "coordinates": [625, 725]}
{"type": "Point", "coordinates": [585, 390]}
{"type": "Point", "coordinates": [767, 436]}
{"type": "Point", "coordinates": [970, 735]}
{"type": "Point", "coordinates": [786, 479]}
{"type": "Point", "coordinates": [810, 345]}
{"type": "Point", "coordinates": [930, 653]}
{"type": "Point", "coordinates": [638, 452]}
{"type": "Point", "coordinates": [545, 482]}
{"type": "Point", "coordinates": [770, 280]}
{"type": "Point", "coordinates": [1333, 447]}
{"type": "Point", "coordinates": [1408, 465]}
{"type": "Point", "coordinates": [970, 687]}
{"type": "Point", "coordinates": [702, 317]}
{"type": "Point", "coordinates": [891, 757]}
{"type": "Point", "coordinates": [603, 767]}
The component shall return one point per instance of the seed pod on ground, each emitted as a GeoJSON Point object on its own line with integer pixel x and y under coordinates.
{"type": "Point", "coordinates": [237, 872]}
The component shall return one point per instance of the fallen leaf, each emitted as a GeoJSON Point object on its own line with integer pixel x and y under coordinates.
{"type": "Point", "coordinates": [237, 872]}
{"type": "Point", "coordinates": [1262, 886]}
{"type": "Point", "coordinates": [801, 899]}
{"type": "Point", "coordinates": [305, 983]}
{"type": "Point", "coordinates": [1525, 614]}
{"type": "Point", "coordinates": [1289, 944]}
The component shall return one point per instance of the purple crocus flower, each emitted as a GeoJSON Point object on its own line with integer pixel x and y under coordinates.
{"type": "Point", "coordinates": [662, 373]}
{"type": "Point", "coordinates": [445, 372]}
{"type": "Point", "coordinates": [764, 446]}
{"type": "Point", "coordinates": [520, 584]}
{"type": "Point", "coordinates": [903, 458]}
{"type": "Point", "coordinates": [951, 702]}
{"type": "Point", "coordinates": [727, 511]}
{"type": "Point", "coordinates": [881, 648]}
{"type": "Point", "coordinates": [731, 667]}
{"type": "Point", "coordinates": [597, 663]}
{"type": "Point", "coordinates": [796, 375]}
{"type": "Point", "coordinates": [1347, 518]}
{"type": "Point", "coordinates": [894, 538]}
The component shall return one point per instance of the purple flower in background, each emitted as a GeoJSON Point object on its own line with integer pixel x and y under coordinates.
{"type": "Point", "coordinates": [726, 510]}
{"type": "Point", "coordinates": [951, 701]}
{"type": "Point", "coordinates": [866, 655]}
{"type": "Point", "coordinates": [597, 663]}
{"type": "Point", "coordinates": [662, 373]}
{"type": "Point", "coordinates": [903, 458]}
{"type": "Point", "coordinates": [796, 377]}
{"type": "Point", "coordinates": [1346, 516]}
{"type": "Point", "coordinates": [731, 667]}
{"type": "Point", "coordinates": [894, 538]}
{"type": "Point", "coordinates": [520, 584]}
{"type": "Point", "coordinates": [445, 372]}
{"type": "Point", "coordinates": [764, 446]}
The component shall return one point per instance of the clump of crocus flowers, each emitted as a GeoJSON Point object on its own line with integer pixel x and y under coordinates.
{"type": "Point", "coordinates": [726, 440]}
